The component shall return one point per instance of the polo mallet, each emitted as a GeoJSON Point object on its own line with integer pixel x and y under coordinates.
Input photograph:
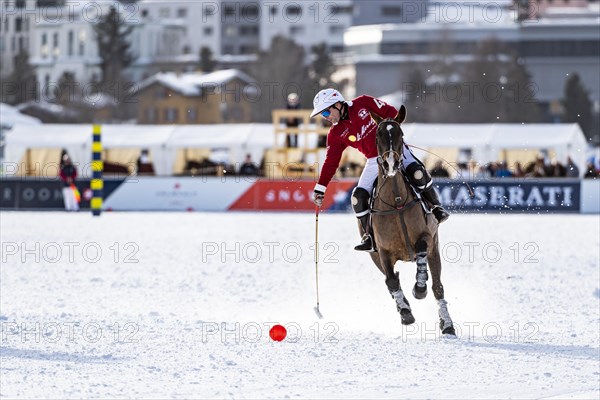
{"type": "Point", "coordinates": [317, 260]}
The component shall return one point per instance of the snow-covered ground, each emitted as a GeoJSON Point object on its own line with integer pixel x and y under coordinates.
{"type": "Point", "coordinates": [174, 305]}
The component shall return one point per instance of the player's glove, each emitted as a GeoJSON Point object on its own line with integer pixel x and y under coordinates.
{"type": "Point", "coordinates": [318, 197]}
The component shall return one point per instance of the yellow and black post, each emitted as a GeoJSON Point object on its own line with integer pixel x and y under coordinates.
{"type": "Point", "coordinates": [97, 183]}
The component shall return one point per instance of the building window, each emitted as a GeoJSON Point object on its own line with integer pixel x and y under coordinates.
{"type": "Point", "coordinates": [229, 11]}
{"type": "Point", "coordinates": [27, 23]}
{"type": "Point", "coordinates": [391, 11]}
{"type": "Point", "coordinates": [192, 114]}
{"type": "Point", "coordinates": [228, 49]}
{"type": "Point", "coordinates": [248, 49]}
{"type": "Point", "coordinates": [296, 30]}
{"type": "Point", "coordinates": [231, 31]}
{"type": "Point", "coordinates": [13, 44]}
{"type": "Point", "coordinates": [165, 12]}
{"type": "Point", "coordinates": [6, 24]}
{"type": "Point", "coordinates": [82, 36]}
{"type": "Point", "coordinates": [151, 114]}
{"type": "Point", "coordinates": [2, 44]}
{"type": "Point", "coordinates": [181, 12]}
{"type": "Point", "coordinates": [46, 85]}
{"type": "Point", "coordinates": [336, 10]}
{"type": "Point", "coordinates": [250, 12]}
{"type": "Point", "coordinates": [70, 38]}
{"type": "Point", "coordinates": [160, 93]}
{"type": "Point", "coordinates": [18, 24]}
{"type": "Point", "coordinates": [209, 10]}
{"type": "Point", "coordinates": [55, 48]}
{"type": "Point", "coordinates": [293, 11]}
{"type": "Point", "coordinates": [249, 30]}
{"type": "Point", "coordinates": [21, 44]}
{"type": "Point", "coordinates": [170, 114]}
{"type": "Point", "coordinates": [208, 30]}
{"type": "Point", "coordinates": [336, 29]}
{"type": "Point", "coordinates": [20, 4]}
{"type": "Point", "coordinates": [44, 48]}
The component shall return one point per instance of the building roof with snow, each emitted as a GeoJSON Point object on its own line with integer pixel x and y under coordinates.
{"type": "Point", "coordinates": [191, 84]}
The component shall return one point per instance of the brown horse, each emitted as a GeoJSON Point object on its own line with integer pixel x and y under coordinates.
{"type": "Point", "coordinates": [403, 228]}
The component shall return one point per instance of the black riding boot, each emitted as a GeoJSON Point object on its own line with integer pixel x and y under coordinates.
{"type": "Point", "coordinates": [360, 204]}
{"type": "Point", "coordinates": [430, 195]}
{"type": "Point", "coordinates": [367, 243]}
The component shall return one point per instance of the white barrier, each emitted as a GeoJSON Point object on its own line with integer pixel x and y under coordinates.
{"type": "Point", "coordinates": [590, 196]}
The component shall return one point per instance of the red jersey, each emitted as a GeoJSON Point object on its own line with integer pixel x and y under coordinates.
{"type": "Point", "coordinates": [358, 131]}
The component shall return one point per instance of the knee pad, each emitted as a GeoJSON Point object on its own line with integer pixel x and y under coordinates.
{"type": "Point", "coordinates": [418, 176]}
{"type": "Point", "coordinates": [360, 201]}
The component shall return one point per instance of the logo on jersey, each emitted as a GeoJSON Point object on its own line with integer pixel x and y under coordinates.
{"type": "Point", "coordinates": [352, 138]}
{"type": "Point", "coordinates": [363, 113]}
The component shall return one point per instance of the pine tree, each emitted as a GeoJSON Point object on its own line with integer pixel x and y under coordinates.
{"type": "Point", "coordinates": [279, 71]}
{"type": "Point", "coordinates": [500, 87]}
{"type": "Point", "coordinates": [66, 92]}
{"type": "Point", "coordinates": [577, 104]}
{"type": "Point", "coordinates": [112, 35]}
{"type": "Point", "coordinates": [207, 61]}
{"type": "Point", "coordinates": [319, 71]}
{"type": "Point", "coordinates": [21, 85]}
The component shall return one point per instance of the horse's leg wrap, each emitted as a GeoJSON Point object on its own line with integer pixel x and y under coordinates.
{"type": "Point", "coordinates": [446, 325]}
{"type": "Point", "coordinates": [398, 295]}
{"type": "Point", "coordinates": [403, 307]}
{"type": "Point", "coordinates": [360, 204]}
{"type": "Point", "coordinates": [422, 276]}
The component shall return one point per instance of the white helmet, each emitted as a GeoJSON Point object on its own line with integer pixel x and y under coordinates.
{"type": "Point", "coordinates": [325, 99]}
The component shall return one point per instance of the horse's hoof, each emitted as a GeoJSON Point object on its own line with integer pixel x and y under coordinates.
{"type": "Point", "coordinates": [407, 317]}
{"type": "Point", "coordinates": [419, 293]}
{"type": "Point", "coordinates": [449, 331]}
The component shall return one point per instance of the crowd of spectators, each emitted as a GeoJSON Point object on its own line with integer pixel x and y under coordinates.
{"type": "Point", "coordinates": [538, 168]}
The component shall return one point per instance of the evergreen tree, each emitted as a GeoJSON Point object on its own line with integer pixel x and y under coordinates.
{"type": "Point", "coordinates": [319, 72]}
{"type": "Point", "coordinates": [112, 35]}
{"type": "Point", "coordinates": [279, 71]}
{"type": "Point", "coordinates": [67, 86]}
{"type": "Point", "coordinates": [21, 85]}
{"type": "Point", "coordinates": [207, 60]}
{"type": "Point", "coordinates": [499, 87]}
{"type": "Point", "coordinates": [577, 104]}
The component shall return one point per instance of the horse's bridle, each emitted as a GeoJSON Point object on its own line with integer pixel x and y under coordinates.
{"type": "Point", "coordinates": [390, 155]}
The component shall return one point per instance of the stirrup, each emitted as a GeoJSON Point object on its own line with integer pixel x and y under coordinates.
{"type": "Point", "coordinates": [366, 244]}
{"type": "Point", "coordinates": [440, 214]}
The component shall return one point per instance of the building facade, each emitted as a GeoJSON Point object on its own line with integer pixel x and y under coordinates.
{"type": "Point", "coordinates": [219, 97]}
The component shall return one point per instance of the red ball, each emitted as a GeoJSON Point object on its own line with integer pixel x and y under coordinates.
{"type": "Point", "coordinates": [277, 333]}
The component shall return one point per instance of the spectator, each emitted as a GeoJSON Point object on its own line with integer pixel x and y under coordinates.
{"type": "Point", "coordinates": [519, 172]}
{"type": "Point", "coordinates": [144, 165]}
{"type": "Point", "coordinates": [249, 168]}
{"type": "Point", "coordinates": [590, 171]}
{"type": "Point", "coordinates": [293, 103]}
{"type": "Point", "coordinates": [572, 170]}
{"type": "Point", "coordinates": [68, 174]}
{"type": "Point", "coordinates": [502, 171]}
{"type": "Point", "coordinates": [439, 171]}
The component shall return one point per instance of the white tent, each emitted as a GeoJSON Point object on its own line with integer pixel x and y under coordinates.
{"type": "Point", "coordinates": [484, 140]}
{"type": "Point", "coordinates": [238, 139]}
{"type": "Point", "coordinates": [487, 140]}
